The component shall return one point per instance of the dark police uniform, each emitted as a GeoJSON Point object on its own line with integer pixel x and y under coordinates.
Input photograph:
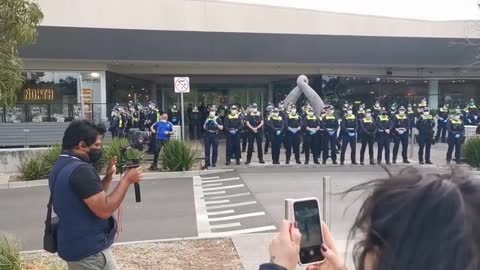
{"type": "Point", "coordinates": [194, 123]}
{"type": "Point", "coordinates": [243, 131]}
{"type": "Point", "coordinates": [152, 118]}
{"type": "Point", "coordinates": [360, 116]}
{"type": "Point", "coordinates": [401, 124]}
{"type": "Point", "coordinates": [294, 126]}
{"type": "Point", "coordinates": [456, 135]}
{"type": "Point", "coordinates": [174, 116]}
{"type": "Point", "coordinates": [233, 125]}
{"type": "Point", "coordinates": [311, 138]}
{"type": "Point", "coordinates": [330, 127]}
{"type": "Point", "coordinates": [277, 126]}
{"type": "Point", "coordinates": [425, 125]}
{"type": "Point", "coordinates": [268, 132]}
{"type": "Point", "coordinates": [212, 134]}
{"type": "Point", "coordinates": [349, 129]}
{"type": "Point", "coordinates": [442, 125]}
{"type": "Point", "coordinates": [369, 129]}
{"type": "Point", "coordinates": [255, 120]}
{"type": "Point", "coordinates": [383, 137]}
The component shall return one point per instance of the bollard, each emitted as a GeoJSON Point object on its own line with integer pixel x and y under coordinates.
{"type": "Point", "coordinates": [326, 200]}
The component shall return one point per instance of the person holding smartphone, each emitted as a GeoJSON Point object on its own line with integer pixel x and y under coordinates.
{"type": "Point", "coordinates": [164, 130]}
{"type": "Point", "coordinates": [433, 226]}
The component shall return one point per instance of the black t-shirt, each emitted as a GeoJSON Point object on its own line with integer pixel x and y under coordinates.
{"type": "Point", "coordinates": [85, 181]}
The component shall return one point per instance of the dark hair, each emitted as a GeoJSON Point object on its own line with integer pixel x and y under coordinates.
{"type": "Point", "coordinates": [82, 130]}
{"type": "Point", "coordinates": [420, 221]}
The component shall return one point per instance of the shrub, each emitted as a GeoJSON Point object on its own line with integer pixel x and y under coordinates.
{"type": "Point", "coordinates": [9, 253]}
{"type": "Point", "coordinates": [133, 154]}
{"type": "Point", "coordinates": [471, 152]}
{"type": "Point", "coordinates": [177, 156]}
{"type": "Point", "coordinates": [113, 150]}
{"type": "Point", "coordinates": [39, 166]}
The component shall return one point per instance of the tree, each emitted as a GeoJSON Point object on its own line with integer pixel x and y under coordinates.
{"type": "Point", "coordinates": [18, 27]}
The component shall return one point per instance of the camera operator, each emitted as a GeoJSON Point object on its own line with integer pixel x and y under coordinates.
{"type": "Point", "coordinates": [86, 228]}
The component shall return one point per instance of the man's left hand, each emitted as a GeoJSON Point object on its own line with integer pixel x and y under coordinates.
{"type": "Point", "coordinates": [112, 167]}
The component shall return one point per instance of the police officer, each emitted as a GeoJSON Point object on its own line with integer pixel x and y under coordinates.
{"type": "Point", "coordinates": [384, 127]}
{"type": "Point", "coordinates": [369, 129]}
{"type": "Point", "coordinates": [277, 126]}
{"type": "Point", "coordinates": [330, 127]}
{"type": "Point", "coordinates": [174, 115]}
{"type": "Point", "coordinates": [254, 123]}
{"type": "Point", "coordinates": [212, 126]}
{"type": "Point", "coordinates": [442, 119]}
{"type": "Point", "coordinates": [377, 110]}
{"type": "Point", "coordinates": [243, 130]}
{"type": "Point", "coordinates": [233, 125]}
{"type": "Point", "coordinates": [311, 130]}
{"type": "Point", "coordinates": [293, 133]}
{"type": "Point", "coordinates": [393, 111]}
{"type": "Point", "coordinates": [194, 122]}
{"type": "Point", "coordinates": [114, 123]}
{"type": "Point", "coordinates": [425, 125]}
{"type": "Point", "coordinates": [267, 130]}
{"type": "Point", "coordinates": [360, 116]}
{"type": "Point", "coordinates": [349, 129]}
{"type": "Point", "coordinates": [401, 126]}
{"type": "Point", "coordinates": [411, 115]}
{"type": "Point", "coordinates": [456, 136]}
{"type": "Point", "coordinates": [152, 117]}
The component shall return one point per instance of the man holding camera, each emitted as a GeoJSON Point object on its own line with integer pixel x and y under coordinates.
{"type": "Point", "coordinates": [163, 129]}
{"type": "Point", "coordinates": [86, 229]}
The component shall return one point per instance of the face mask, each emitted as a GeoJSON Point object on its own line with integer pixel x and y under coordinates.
{"type": "Point", "coordinates": [349, 111]}
{"type": "Point", "coordinates": [401, 112]}
{"type": "Point", "coordinates": [255, 110]}
{"type": "Point", "coordinates": [163, 120]}
{"type": "Point", "coordinates": [234, 111]}
{"type": "Point", "coordinates": [384, 113]}
{"type": "Point", "coordinates": [310, 113]}
{"type": "Point", "coordinates": [331, 112]}
{"type": "Point", "coordinates": [212, 114]}
{"type": "Point", "coordinates": [426, 113]}
{"type": "Point", "coordinates": [294, 110]}
{"type": "Point", "coordinates": [275, 114]}
{"type": "Point", "coordinates": [368, 115]}
{"type": "Point", "coordinates": [456, 117]}
{"type": "Point", "coordinates": [95, 155]}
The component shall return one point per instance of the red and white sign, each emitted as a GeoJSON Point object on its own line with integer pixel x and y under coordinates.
{"type": "Point", "coordinates": [182, 84]}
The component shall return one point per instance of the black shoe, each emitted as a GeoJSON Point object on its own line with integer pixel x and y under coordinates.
{"type": "Point", "coordinates": [205, 167]}
{"type": "Point", "coordinates": [247, 162]}
{"type": "Point", "coordinates": [154, 167]}
{"type": "Point", "coordinates": [394, 162]}
{"type": "Point", "coordinates": [316, 162]}
{"type": "Point", "coordinates": [379, 162]}
{"type": "Point", "coordinates": [342, 163]}
{"type": "Point", "coordinates": [421, 162]}
{"type": "Point", "coordinates": [298, 162]}
{"type": "Point", "coordinates": [324, 162]}
{"type": "Point", "coordinates": [306, 162]}
{"type": "Point", "coordinates": [226, 163]}
{"type": "Point", "coordinates": [214, 165]}
{"type": "Point", "coordinates": [372, 163]}
{"type": "Point", "coordinates": [406, 161]}
{"type": "Point", "coordinates": [361, 163]}
{"type": "Point", "coordinates": [287, 162]}
{"type": "Point", "coordinates": [354, 163]}
{"type": "Point", "coordinates": [429, 162]}
{"type": "Point", "coordinates": [458, 162]}
{"type": "Point", "coordinates": [388, 163]}
{"type": "Point", "coordinates": [262, 161]}
{"type": "Point", "coordinates": [238, 161]}
{"type": "Point", "coordinates": [334, 162]}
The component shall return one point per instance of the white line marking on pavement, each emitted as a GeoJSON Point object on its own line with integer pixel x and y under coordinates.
{"type": "Point", "coordinates": [222, 180]}
{"type": "Point", "coordinates": [227, 225]}
{"type": "Point", "coordinates": [232, 205]}
{"type": "Point", "coordinates": [214, 193]}
{"type": "Point", "coordinates": [225, 187]}
{"type": "Point", "coordinates": [221, 212]}
{"type": "Point", "coordinates": [230, 196]}
{"type": "Point", "coordinates": [208, 178]}
{"type": "Point", "coordinates": [203, 227]}
{"type": "Point", "coordinates": [216, 202]}
{"type": "Point", "coordinates": [251, 230]}
{"type": "Point", "coordinates": [256, 214]}
{"type": "Point", "coordinates": [212, 185]}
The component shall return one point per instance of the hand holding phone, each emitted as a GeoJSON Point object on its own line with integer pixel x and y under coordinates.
{"type": "Point", "coordinates": [285, 247]}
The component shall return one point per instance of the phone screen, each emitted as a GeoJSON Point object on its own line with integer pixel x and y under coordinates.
{"type": "Point", "coordinates": [307, 214]}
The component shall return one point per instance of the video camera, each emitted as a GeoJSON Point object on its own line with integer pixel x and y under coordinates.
{"type": "Point", "coordinates": [138, 139]}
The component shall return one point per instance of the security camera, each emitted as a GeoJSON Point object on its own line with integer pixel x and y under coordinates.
{"type": "Point", "coordinates": [389, 72]}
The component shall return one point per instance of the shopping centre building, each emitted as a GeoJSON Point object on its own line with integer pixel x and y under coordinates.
{"type": "Point", "coordinates": [110, 51]}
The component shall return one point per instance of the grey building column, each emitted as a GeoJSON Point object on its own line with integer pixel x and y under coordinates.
{"type": "Point", "coordinates": [433, 94]}
{"type": "Point", "coordinates": [270, 92]}
{"type": "Point", "coordinates": [154, 92]}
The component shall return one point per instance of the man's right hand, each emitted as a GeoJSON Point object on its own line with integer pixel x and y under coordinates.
{"type": "Point", "coordinates": [133, 175]}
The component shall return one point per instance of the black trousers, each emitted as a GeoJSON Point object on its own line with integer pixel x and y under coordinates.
{"type": "Point", "coordinates": [252, 136]}
{"type": "Point", "coordinates": [310, 143]}
{"type": "Point", "coordinates": [441, 131]}
{"type": "Point", "coordinates": [233, 146]}
{"type": "Point", "coordinates": [352, 141]}
{"type": "Point", "coordinates": [158, 147]}
{"type": "Point", "coordinates": [276, 144]}
{"type": "Point", "coordinates": [383, 141]}
{"type": "Point", "coordinates": [152, 142]}
{"type": "Point", "coordinates": [397, 139]}
{"type": "Point", "coordinates": [330, 141]}
{"type": "Point", "coordinates": [244, 137]}
{"type": "Point", "coordinates": [454, 143]}
{"type": "Point", "coordinates": [211, 145]}
{"type": "Point", "coordinates": [367, 140]}
{"type": "Point", "coordinates": [268, 139]}
{"type": "Point", "coordinates": [424, 143]}
{"type": "Point", "coordinates": [292, 141]}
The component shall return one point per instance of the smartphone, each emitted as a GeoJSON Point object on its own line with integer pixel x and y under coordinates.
{"type": "Point", "coordinates": [306, 212]}
{"type": "Point", "coordinates": [131, 166]}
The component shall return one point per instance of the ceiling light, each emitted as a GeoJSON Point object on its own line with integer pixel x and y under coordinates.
{"type": "Point", "coordinates": [95, 74]}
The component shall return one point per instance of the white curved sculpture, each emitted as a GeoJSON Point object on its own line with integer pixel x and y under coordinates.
{"type": "Point", "coordinates": [303, 88]}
